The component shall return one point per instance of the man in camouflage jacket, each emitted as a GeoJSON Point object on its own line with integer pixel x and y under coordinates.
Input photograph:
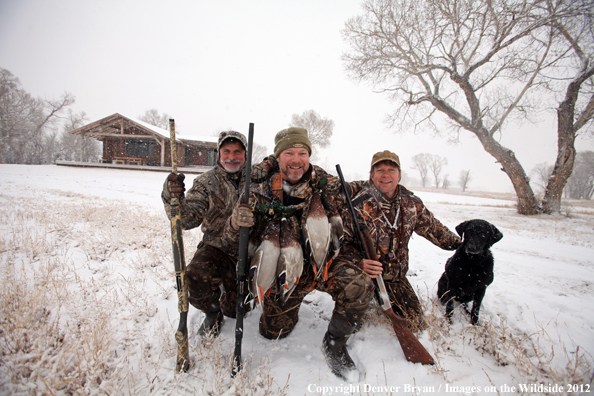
{"type": "Point", "coordinates": [209, 203]}
{"type": "Point", "coordinates": [392, 213]}
{"type": "Point", "coordinates": [349, 287]}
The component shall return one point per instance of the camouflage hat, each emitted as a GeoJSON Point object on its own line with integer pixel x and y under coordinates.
{"type": "Point", "coordinates": [226, 135]}
{"type": "Point", "coordinates": [385, 156]}
{"type": "Point", "coordinates": [291, 137]}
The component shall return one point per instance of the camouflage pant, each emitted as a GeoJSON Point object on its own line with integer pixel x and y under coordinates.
{"type": "Point", "coordinates": [349, 287]}
{"type": "Point", "coordinates": [405, 302]}
{"type": "Point", "coordinates": [209, 269]}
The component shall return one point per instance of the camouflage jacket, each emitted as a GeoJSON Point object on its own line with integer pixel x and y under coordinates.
{"type": "Point", "coordinates": [261, 197]}
{"type": "Point", "coordinates": [378, 213]}
{"type": "Point", "coordinates": [210, 202]}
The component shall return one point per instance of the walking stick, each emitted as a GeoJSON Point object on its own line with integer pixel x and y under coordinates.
{"type": "Point", "coordinates": [244, 236]}
{"type": "Point", "coordinates": [177, 242]}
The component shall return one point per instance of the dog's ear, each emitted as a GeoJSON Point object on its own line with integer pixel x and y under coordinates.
{"type": "Point", "coordinates": [496, 235]}
{"type": "Point", "coordinates": [460, 228]}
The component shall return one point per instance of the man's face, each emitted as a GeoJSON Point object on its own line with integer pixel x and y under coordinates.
{"type": "Point", "coordinates": [293, 163]}
{"type": "Point", "coordinates": [385, 177]}
{"type": "Point", "coordinates": [232, 156]}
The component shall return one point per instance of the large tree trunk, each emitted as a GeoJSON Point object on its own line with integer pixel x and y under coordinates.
{"type": "Point", "coordinates": [527, 202]}
{"type": "Point", "coordinates": [551, 202]}
{"type": "Point", "coordinates": [566, 132]}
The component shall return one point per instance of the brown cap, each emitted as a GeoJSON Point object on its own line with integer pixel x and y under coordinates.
{"type": "Point", "coordinates": [385, 156]}
{"type": "Point", "coordinates": [289, 138]}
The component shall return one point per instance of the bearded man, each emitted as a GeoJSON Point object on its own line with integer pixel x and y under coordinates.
{"type": "Point", "coordinates": [209, 203]}
{"type": "Point", "coordinates": [294, 248]}
{"type": "Point", "coordinates": [392, 213]}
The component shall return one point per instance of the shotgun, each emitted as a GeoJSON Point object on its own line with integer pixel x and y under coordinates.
{"type": "Point", "coordinates": [181, 335]}
{"type": "Point", "coordinates": [413, 350]}
{"type": "Point", "coordinates": [242, 264]}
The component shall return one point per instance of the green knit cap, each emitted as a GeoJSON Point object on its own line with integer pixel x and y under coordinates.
{"type": "Point", "coordinates": [289, 138]}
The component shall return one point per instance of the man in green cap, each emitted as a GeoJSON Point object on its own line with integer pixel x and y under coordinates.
{"type": "Point", "coordinates": [296, 235]}
{"type": "Point", "coordinates": [392, 213]}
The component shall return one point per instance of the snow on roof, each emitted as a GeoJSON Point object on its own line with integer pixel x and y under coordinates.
{"type": "Point", "coordinates": [187, 136]}
{"type": "Point", "coordinates": [156, 129]}
{"type": "Point", "coordinates": [181, 135]}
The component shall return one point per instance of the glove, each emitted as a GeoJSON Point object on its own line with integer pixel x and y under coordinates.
{"type": "Point", "coordinates": [175, 185]}
{"type": "Point", "coordinates": [263, 169]}
{"type": "Point", "coordinates": [242, 216]}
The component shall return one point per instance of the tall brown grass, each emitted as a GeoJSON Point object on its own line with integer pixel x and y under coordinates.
{"type": "Point", "coordinates": [80, 284]}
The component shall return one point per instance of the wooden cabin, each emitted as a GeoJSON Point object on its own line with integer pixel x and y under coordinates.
{"type": "Point", "coordinates": [129, 141]}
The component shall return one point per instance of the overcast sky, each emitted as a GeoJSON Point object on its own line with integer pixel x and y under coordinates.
{"type": "Point", "coordinates": [217, 65]}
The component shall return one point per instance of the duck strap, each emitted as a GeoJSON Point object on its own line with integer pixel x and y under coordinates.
{"type": "Point", "coordinates": [277, 187]}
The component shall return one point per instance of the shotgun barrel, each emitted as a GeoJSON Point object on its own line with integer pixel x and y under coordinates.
{"type": "Point", "coordinates": [242, 264]}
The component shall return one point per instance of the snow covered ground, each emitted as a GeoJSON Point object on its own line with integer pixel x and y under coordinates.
{"type": "Point", "coordinates": [88, 303]}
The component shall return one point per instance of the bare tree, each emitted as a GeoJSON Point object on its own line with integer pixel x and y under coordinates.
{"type": "Point", "coordinates": [581, 183]}
{"type": "Point", "coordinates": [16, 108]}
{"type": "Point", "coordinates": [464, 179]}
{"type": "Point", "coordinates": [43, 144]}
{"type": "Point", "coordinates": [28, 125]}
{"type": "Point", "coordinates": [478, 65]}
{"type": "Point", "coordinates": [576, 32]}
{"type": "Point", "coordinates": [445, 184]}
{"type": "Point", "coordinates": [152, 116]}
{"type": "Point", "coordinates": [319, 129]}
{"type": "Point", "coordinates": [77, 147]}
{"type": "Point", "coordinates": [420, 163]}
{"type": "Point", "coordinates": [436, 164]}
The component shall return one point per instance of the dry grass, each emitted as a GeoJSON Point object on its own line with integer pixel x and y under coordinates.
{"type": "Point", "coordinates": [80, 284]}
{"type": "Point", "coordinates": [82, 287]}
{"type": "Point", "coordinates": [532, 355]}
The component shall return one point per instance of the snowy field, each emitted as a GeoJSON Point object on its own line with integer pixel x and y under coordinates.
{"type": "Point", "coordinates": [88, 303]}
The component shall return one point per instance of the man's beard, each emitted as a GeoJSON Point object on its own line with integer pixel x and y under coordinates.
{"type": "Point", "coordinates": [234, 165]}
{"type": "Point", "coordinates": [292, 174]}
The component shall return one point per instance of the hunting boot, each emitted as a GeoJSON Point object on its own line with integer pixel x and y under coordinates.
{"type": "Point", "coordinates": [334, 346]}
{"type": "Point", "coordinates": [213, 321]}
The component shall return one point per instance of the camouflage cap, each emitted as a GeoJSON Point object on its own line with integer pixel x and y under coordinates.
{"type": "Point", "coordinates": [291, 137]}
{"type": "Point", "coordinates": [223, 136]}
{"type": "Point", "coordinates": [385, 156]}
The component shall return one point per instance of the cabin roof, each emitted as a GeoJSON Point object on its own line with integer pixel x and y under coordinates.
{"type": "Point", "coordinates": [116, 124]}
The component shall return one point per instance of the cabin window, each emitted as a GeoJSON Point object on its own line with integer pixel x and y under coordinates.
{"type": "Point", "coordinates": [140, 147]}
{"type": "Point", "coordinates": [211, 159]}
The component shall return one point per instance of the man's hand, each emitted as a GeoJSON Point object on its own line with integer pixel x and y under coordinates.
{"type": "Point", "coordinates": [261, 171]}
{"type": "Point", "coordinates": [371, 267]}
{"type": "Point", "coordinates": [175, 185]}
{"type": "Point", "coordinates": [242, 216]}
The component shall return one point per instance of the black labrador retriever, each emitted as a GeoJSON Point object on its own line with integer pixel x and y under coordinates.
{"type": "Point", "coordinates": [470, 270]}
